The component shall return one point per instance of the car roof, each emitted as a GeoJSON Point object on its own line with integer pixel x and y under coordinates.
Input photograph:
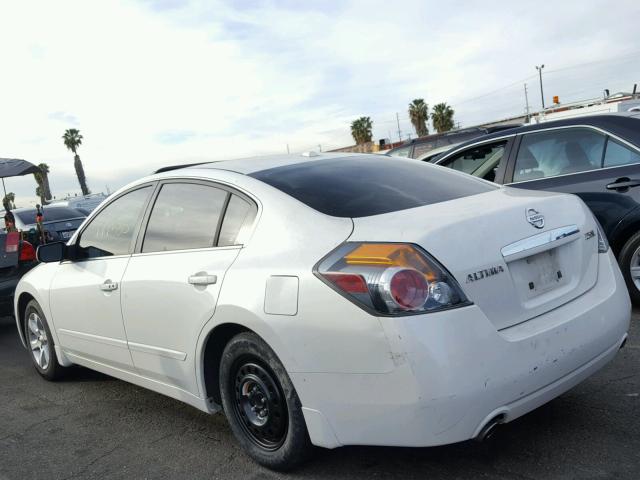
{"type": "Point", "coordinates": [247, 166]}
{"type": "Point", "coordinates": [625, 125]}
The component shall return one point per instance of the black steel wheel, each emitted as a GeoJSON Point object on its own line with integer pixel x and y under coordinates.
{"type": "Point", "coordinates": [261, 404]}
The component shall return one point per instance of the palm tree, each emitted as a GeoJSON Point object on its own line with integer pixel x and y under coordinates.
{"type": "Point", "coordinates": [9, 201]}
{"type": "Point", "coordinates": [44, 168]}
{"type": "Point", "coordinates": [419, 114]}
{"type": "Point", "coordinates": [40, 193]}
{"type": "Point", "coordinates": [72, 140]}
{"type": "Point", "coordinates": [42, 179]}
{"type": "Point", "coordinates": [361, 130]}
{"type": "Point", "coordinates": [442, 117]}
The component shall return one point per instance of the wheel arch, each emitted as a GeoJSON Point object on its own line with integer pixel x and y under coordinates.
{"type": "Point", "coordinates": [624, 232]}
{"type": "Point", "coordinates": [227, 322]}
{"type": "Point", "coordinates": [21, 304]}
{"type": "Point", "coordinates": [215, 343]}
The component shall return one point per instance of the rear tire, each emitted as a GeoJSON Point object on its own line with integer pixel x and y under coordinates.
{"type": "Point", "coordinates": [630, 258]}
{"type": "Point", "coordinates": [261, 404]}
{"type": "Point", "coordinates": [40, 343]}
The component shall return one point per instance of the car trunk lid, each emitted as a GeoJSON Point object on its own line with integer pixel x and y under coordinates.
{"type": "Point", "coordinates": [516, 254]}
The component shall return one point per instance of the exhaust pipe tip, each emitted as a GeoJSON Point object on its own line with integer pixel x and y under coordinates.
{"type": "Point", "coordinates": [490, 428]}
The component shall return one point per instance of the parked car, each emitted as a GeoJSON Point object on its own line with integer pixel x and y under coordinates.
{"type": "Point", "coordinates": [85, 203]}
{"type": "Point", "coordinates": [332, 299]}
{"type": "Point", "coordinates": [17, 257]}
{"type": "Point", "coordinates": [419, 146]}
{"type": "Point", "coordinates": [595, 157]}
{"type": "Point", "coordinates": [58, 222]}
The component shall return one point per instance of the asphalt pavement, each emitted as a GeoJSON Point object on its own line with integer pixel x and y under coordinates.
{"type": "Point", "coordinates": [94, 426]}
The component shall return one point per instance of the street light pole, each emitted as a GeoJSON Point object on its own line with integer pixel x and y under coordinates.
{"type": "Point", "coordinates": [539, 68]}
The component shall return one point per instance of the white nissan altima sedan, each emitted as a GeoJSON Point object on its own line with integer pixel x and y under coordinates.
{"type": "Point", "coordinates": [332, 299]}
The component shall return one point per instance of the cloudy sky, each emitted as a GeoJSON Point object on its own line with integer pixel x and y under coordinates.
{"type": "Point", "coordinates": [157, 82]}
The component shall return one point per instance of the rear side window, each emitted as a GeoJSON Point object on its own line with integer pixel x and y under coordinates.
{"type": "Point", "coordinates": [422, 148]}
{"type": "Point", "coordinates": [184, 216]}
{"type": "Point", "coordinates": [558, 152]}
{"type": "Point", "coordinates": [238, 217]}
{"type": "Point", "coordinates": [50, 214]}
{"type": "Point", "coordinates": [363, 186]}
{"type": "Point", "coordinates": [619, 154]}
{"type": "Point", "coordinates": [401, 151]}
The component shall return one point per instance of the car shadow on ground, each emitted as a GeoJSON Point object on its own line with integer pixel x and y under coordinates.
{"type": "Point", "coordinates": [9, 333]}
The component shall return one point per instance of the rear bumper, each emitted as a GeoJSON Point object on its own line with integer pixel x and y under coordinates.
{"type": "Point", "coordinates": [455, 372]}
{"type": "Point", "coordinates": [7, 290]}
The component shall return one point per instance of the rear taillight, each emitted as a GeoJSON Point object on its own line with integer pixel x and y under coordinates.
{"type": "Point", "coordinates": [390, 278]}
{"type": "Point", "coordinates": [12, 243]}
{"type": "Point", "coordinates": [603, 244]}
{"type": "Point", "coordinates": [27, 252]}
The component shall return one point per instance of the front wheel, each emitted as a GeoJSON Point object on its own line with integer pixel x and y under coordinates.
{"type": "Point", "coordinates": [262, 406]}
{"type": "Point", "coordinates": [40, 342]}
{"type": "Point", "coordinates": [629, 261]}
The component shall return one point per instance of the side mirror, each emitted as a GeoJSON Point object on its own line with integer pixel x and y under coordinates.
{"type": "Point", "coordinates": [51, 252]}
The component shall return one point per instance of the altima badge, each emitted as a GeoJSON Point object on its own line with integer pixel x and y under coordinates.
{"type": "Point", "coordinates": [535, 218]}
{"type": "Point", "coordinates": [484, 273]}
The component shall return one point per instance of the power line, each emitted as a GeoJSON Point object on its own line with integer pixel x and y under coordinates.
{"type": "Point", "coordinates": [596, 62]}
{"type": "Point", "coordinates": [493, 92]}
{"type": "Point", "coordinates": [570, 67]}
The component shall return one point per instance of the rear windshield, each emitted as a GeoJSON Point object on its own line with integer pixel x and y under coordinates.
{"type": "Point", "coordinates": [54, 214]}
{"type": "Point", "coordinates": [372, 185]}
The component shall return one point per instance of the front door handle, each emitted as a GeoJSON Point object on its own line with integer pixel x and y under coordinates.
{"type": "Point", "coordinates": [109, 286]}
{"type": "Point", "coordinates": [623, 184]}
{"type": "Point", "coordinates": [202, 279]}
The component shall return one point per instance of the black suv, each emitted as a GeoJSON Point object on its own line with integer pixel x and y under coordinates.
{"type": "Point", "coordinates": [419, 146]}
{"type": "Point", "coordinates": [595, 157]}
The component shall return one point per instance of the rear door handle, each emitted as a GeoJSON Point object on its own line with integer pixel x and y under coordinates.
{"type": "Point", "coordinates": [109, 286]}
{"type": "Point", "coordinates": [623, 183]}
{"type": "Point", "coordinates": [202, 279]}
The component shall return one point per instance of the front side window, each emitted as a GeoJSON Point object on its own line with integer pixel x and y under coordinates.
{"type": "Point", "coordinates": [482, 160]}
{"type": "Point", "coordinates": [184, 216]}
{"type": "Point", "coordinates": [558, 152]}
{"type": "Point", "coordinates": [619, 154]}
{"type": "Point", "coordinates": [111, 231]}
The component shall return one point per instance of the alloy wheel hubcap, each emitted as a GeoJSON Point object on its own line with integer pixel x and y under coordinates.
{"type": "Point", "coordinates": [260, 406]}
{"type": "Point", "coordinates": [38, 340]}
{"type": "Point", "coordinates": [634, 268]}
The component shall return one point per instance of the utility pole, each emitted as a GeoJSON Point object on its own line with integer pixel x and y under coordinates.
{"type": "Point", "coordinates": [526, 99]}
{"type": "Point", "coordinates": [539, 68]}
{"type": "Point", "coordinates": [398, 120]}
{"type": "Point", "coordinates": [287, 149]}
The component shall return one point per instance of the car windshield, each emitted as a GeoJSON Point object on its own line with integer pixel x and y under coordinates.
{"type": "Point", "coordinates": [53, 214]}
{"type": "Point", "coordinates": [369, 185]}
